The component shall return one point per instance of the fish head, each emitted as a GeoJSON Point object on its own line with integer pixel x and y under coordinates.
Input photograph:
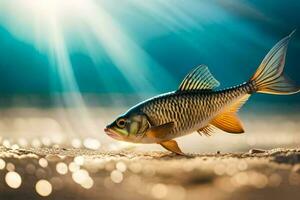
{"type": "Point", "coordinates": [129, 127]}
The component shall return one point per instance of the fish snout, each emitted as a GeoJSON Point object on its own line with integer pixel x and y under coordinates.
{"type": "Point", "coordinates": [108, 128]}
{"type": "Point", "coordinates": [111, 133]}
{"type": "Point", "coordinates": [108, 131]}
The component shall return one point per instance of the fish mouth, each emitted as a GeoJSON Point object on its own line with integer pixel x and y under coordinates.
{"type": "Point", "coordinates": [111, 133]}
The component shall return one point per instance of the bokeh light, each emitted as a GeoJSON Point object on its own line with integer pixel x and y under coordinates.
{"type": "Point", "coordinates": [73, 167]}
{"type": "Point", "coordinates": [13, 179]}
{"type": "Point", "coordinates": [2, 164]}
{"type": "Point", "coordinates": [10, 167]}
{"type": "Point", "coordinates": [121, 166]}
{"type": "Point", "coordinates": [43, 188]}
{"type": "Point", "coordinates": [61, 168]}
{"type": "Point", "coordinates": [159, 191]}
{"type": "Point", "coordinates": [116, 176]}
{"type": "Point", "coordinates": [79, 160]}
{"type": "Point", "coordinates": [91, 143]}
{"type": "Point", "coordinates": [43, 162]}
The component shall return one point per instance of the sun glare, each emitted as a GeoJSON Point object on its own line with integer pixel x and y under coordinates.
{"type": "Point", "coordinates": [56, 27]}
{"type": "Point", "coordinates": [102, 29]}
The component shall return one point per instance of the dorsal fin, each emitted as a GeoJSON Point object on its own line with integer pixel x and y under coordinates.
{"type": "Point", "coordinates": [228, 120]}
{"type": "Point", "coordinates": [199, 79]}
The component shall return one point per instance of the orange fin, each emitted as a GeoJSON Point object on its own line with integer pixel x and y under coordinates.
{"type": "Point", "coordinates": [269, 77]}
{"type": "Point", "coordinates": [160, 131]}
{"type": "Point", "coordinates": [171, 145]}
{"type": "Point", "coordinates": [207, 130]}
{"type": "Point", "coordinates": [228, 120]}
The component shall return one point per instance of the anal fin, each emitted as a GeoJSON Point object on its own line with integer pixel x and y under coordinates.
{"type": "Point", "coordinates": [228, 120]}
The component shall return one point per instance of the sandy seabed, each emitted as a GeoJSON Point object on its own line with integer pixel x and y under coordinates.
{"type": "Point", "coordinates": [59, 173]}
{"type": "Point", "coordinates": [47, 154]}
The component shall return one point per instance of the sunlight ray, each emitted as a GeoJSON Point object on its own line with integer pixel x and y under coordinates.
{"type": "Point", "coordinates": [95, 29]}
{"type": "Point", "coordinates": [130, 59]}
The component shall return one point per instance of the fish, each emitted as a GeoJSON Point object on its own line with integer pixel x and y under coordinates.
{"type": "Point", "coordinates": [197, 106]}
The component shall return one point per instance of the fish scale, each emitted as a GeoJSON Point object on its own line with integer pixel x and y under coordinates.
{"type": "Point", "coordinates": [190, 110]}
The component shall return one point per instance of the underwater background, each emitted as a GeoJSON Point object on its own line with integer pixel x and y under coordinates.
{"type": "Point", "coordinates": [69, 68]}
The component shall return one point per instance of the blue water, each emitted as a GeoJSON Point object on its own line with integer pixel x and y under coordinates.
{"type": "Point", "coordinates": [231, 37]}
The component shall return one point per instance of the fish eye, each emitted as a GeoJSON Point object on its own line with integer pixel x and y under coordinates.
{"type": "Point", "coordinates": [121, 123]}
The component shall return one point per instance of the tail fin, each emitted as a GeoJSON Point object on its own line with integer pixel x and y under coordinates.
{"type": "Point", "coordinates": [269, 77]}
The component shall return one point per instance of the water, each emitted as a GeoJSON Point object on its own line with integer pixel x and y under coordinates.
{"type": "Point", "coordinates": [66, 70]}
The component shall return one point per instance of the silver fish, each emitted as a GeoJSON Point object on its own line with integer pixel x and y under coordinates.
{"type": "Point", "coordinates": [198, 106]}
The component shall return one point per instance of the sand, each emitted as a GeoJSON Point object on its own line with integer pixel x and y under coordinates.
{"type": "Point", "coordinates": [87, 174]}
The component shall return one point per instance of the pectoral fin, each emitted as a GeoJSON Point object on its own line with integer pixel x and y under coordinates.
{"type": "Point", "coordinates": [172, 146]}
{"type": "Point", "coordinates": [160, 131]}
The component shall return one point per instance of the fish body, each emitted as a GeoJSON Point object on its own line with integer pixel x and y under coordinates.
{"type": "Point", "coordinates": [189, 110]}
{"type": "Point", "coordinates": [198, 106]}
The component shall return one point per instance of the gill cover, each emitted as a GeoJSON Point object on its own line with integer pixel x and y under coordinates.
{"type": "Point", "coordinates": [138, 124]}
